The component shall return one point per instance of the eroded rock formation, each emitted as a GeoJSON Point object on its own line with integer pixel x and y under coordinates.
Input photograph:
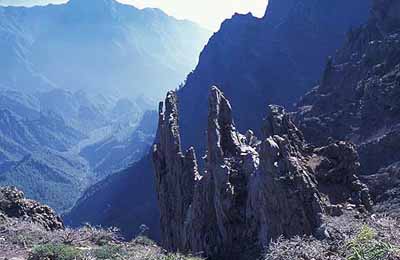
{"type": "Point", "coordinates": [251, 190]}
{"type": "Point", "coordinates": [176, 175]}
{"type": "Point", "coordinates": [14, 205]}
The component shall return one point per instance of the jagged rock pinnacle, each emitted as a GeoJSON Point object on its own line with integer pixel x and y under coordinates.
{"type": "Point", "coordinates": [250, 192]}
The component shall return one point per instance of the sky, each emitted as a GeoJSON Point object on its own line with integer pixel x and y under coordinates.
{"type": "Point", "coordinates": [208, 13]}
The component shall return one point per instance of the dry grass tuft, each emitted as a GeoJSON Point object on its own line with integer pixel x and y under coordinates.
{"type": "Point", "coordinates": [350, 238]}
{"type": "Point", "coordinates": [25, 240]}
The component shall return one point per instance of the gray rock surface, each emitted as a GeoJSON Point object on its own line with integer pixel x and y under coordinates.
{"type": "Point", "coordinates": [384, 189]}
{"type": "Point", "coordinates": [272, 60]}
{"type": "Point", "coordinates": [336, 167]}
{"type": "Point", "coordinates": [14, 205]}
{"type": "Point", "coordinates": [177, 170]}
{"type": "Point", "coordinates": [251, 191]}
{"type": "Point", "coordinates": [358, 97]}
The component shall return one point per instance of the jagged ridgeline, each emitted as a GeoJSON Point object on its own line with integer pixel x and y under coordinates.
{"type": "Point", "coordinates": [252, 190]}
{"type": "Point", "coordinates": [101, 46]}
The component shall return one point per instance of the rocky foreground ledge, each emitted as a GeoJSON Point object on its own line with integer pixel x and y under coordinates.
{"type": "Point", "coordinates": [32, 231]}
{"type": "Point", "coordinates": [13, 204]}
{"type": "Point", "coordinates": [23, 239]}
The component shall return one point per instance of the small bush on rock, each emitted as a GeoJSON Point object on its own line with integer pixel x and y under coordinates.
{"type": "Point", "coordinates": [55, 252]}
{"type": "Point", "coordinates": [109, 252]}
{"type": "Point", "coordinates": [369, 238]}
{"type": "Point", "coordinates": [365, 246]}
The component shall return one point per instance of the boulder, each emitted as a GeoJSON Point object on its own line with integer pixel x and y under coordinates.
{"type": "Point", "coordinates": [14, 205]}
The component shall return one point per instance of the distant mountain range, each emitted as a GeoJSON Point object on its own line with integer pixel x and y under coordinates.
{"type": "Point", "coordinates": [22, 135]}
{"type": "Point", "coordinates": [27, 2]}
{"type": "Point", "coordinates": [77, 86]}
{"type": "Point", "coordinates": [101, 46]}
{"type": "Point", "coordinates": [124, 146]}
{"type": "Point", "coordinates": [54, 144]}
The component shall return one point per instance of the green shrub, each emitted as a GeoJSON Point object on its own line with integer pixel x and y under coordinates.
{"type": "Point", "coordinates": [55, 252]}
{"type": "Point", "coordinates": [109, 252]}
{"type": "Point", "coordinates": [366, 246]}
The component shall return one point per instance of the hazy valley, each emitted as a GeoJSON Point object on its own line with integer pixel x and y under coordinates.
{"type": "Point", "coordinates": [77, 94]}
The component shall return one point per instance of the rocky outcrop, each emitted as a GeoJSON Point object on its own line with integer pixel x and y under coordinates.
{"type": "Point", "coordinates": [384, 187]}
{"type": "Point", "coordinates": [291, 202]}
{"type": "Point", "coordinates": [252, 190]}
{"type": "Point", "coordinates": [358, 97]}
{"type": "Point", "coordinates": [176, 175]}
{"type": "Point", "coordinates": [14, 205]}
{"type": "Point", "coordinates": [336, 168]}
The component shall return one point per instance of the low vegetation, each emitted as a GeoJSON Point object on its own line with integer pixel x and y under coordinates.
{"type": "Point", "coordinates": [24, 240]}
{"type": "Point", "coordinates": [367, 246]}
{"type": "Point", "coordinates": [55, 252]}
{"type": "Point", "coordinates": [371, 238]}
{"type": "Point", "coordinates": [348, 238]}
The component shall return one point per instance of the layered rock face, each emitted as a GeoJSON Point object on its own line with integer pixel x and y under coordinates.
{"type": "Point", "coordinates": [358, 98]}
{"type": "Point", "coordinates": [251, 190]}
{"type": "Point", "coordinates": [14, 205]}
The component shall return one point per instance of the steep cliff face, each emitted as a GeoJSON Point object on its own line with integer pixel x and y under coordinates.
{"type": "Point", "coordinates": [175, 183]}
{"type": "Point", "coordinates": [251, 190]}
{"type": "Point", "coordinates": [358, 98]}
{"type": "Point", "coordinates": [358, 92]}
{"type": "Point", "coordinates": [273, 60]}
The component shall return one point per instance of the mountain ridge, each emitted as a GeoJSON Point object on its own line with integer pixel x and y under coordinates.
{"type": "Point", "coordinates": [75, 37]}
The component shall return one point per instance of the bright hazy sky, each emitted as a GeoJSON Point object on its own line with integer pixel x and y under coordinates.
{"type": "Point", "coordinates": [208, 13]}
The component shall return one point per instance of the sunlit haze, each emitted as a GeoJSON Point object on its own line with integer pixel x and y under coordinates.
{"type": "Point", "coordinates": [208, 13]}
